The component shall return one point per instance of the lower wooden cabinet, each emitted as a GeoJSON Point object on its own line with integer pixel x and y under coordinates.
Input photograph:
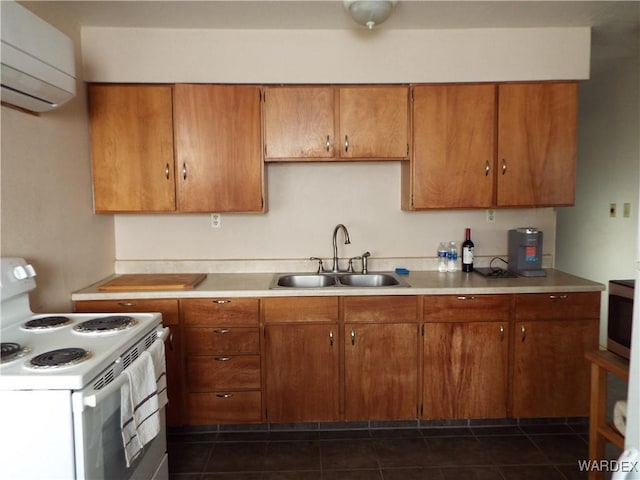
{"type": "Point", "coordinates": [222, 364]}
{"type": "Point", "coordinates": [301, 353]}
{"type": "Point", "coordinates": [173, 350]}
{"type": "Point", "coordinates": [465, 356]}
{"type": "Point", "coordinates": [465, 365]}
{"type": "Point", "coordinates": [551, 335]}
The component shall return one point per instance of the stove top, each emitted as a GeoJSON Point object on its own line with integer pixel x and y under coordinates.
{"type": "Point", "coordinates": [61, 351]}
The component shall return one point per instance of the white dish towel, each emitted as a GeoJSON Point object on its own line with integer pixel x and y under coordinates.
{"type": "Point", "coordinates": [139, 414]}
{"type": "Point", "coordinates": [156, 350]}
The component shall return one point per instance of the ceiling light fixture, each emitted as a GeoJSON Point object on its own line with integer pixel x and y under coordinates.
{"type": "Point", "coordinates": [369, 12]}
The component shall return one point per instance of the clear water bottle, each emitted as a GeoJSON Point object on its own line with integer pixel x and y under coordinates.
{"type": "Point", "coordinates": [442, 257]}
{"type": "Point", "coordinates": [452, 257]}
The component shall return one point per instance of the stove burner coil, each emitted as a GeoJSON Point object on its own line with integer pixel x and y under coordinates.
{"type": "Point", "coordinates": [45, 323]}
{"type": "Point", "coordinates": [105, 324]}
{"type": "Point", "coordinates": [64, 357]}
{"type": "Point", "coordinates": [10, 351]}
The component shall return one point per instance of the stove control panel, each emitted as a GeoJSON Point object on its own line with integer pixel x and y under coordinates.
{"type": "Point", "coordinates": [17, 276]}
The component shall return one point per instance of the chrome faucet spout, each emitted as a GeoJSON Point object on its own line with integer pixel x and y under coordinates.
{"type": "Point", "coordinates": [335, 267]}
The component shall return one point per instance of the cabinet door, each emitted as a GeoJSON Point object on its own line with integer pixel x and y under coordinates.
{"type": "Point", "coordinates": [218, 148]}
{"type": "Point", "coordinates": [465, 370]}
{"type": "Point", "coordinates": [381, 378]}
{"type": "Point", "coordinates": [537, 144]}
{"type": "Point", "coordinates": [453, 146]}
{"type": "Point", "coordinates": [550, 373]}
{"type": "Point", "coordinates": [374, 122]}
{"type": "Point", "coordinates": [173, 350]}
{"type": "Point", "coordinates": [302, 373]}
{"type": "Point", "coordinates": [299, 123]}
{"type": "Point", "coordinates": [132, 148]}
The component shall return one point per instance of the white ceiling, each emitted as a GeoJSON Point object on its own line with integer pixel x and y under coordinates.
{"type": "Point", "coordinates": [615, 25]}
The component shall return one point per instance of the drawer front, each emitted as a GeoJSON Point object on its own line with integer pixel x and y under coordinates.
{"type": "Point", "coordinates": [224, 407]}
{"type": "Point", "coordinates": [380, 309]}
{"type": "Point", "coordinates": [456, 308]}
{"type": "Point", "coordinates": [548, 306]}
{"type": "Point", "coordinates": [300, 309]}
{"type": "Point", "coordinates": [220, 311]}
{"type": "Point", "coordinates": [168, 308]}
{"type": "Point", "coordinates": [215, 373]}
{"type": "Point", "coordinates": [221, 340]}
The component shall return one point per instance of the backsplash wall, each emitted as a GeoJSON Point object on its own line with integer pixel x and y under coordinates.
{"type": "Point", "coordinates": [305, 203]}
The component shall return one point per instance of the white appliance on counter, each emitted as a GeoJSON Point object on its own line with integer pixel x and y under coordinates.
{"type": "Point", "coordinates": [60, 388]}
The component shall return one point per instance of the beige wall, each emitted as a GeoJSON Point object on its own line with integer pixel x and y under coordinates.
{"type": "Point", "coordinates": [46, 205]}
{"type": "Point", "coordinates": [307, 201]}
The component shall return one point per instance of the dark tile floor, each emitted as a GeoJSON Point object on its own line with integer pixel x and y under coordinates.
{"type": "Point", "coordinates": [544, 451]}
{"type": "Point", "coordinates": [526, 452]}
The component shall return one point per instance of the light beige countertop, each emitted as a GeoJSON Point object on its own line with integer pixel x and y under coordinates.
{"type": "Point", "coordinates": [421, 283]}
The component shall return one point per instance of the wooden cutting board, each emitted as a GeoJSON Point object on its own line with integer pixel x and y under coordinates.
{"type": "Point", "coordinates": [153, 281]}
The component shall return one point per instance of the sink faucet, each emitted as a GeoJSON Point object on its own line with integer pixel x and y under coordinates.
{"type": "Point", "coordinates": [335, 268]}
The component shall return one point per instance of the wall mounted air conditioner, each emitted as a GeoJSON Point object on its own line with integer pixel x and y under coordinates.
{"type": "Point", "coordinates": [37, 61]}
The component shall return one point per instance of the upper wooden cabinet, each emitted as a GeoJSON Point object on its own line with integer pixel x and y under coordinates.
{"type": "Point", "coordinates": [218, 143]}
{"type": "Point", "coordinates": [453, 145]}
{"type": "Point", "coordinates": [132, 148]}
{"type": "Point", "coordinates": [336, 123]}
{"type": "Point", "coordinates": [214, 130]}
{"type": "Point", "coordinates": [537, 143]}
{"type": "Point", "coordinates": [487, 145]}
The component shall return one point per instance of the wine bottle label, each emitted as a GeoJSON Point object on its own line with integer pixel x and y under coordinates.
{"type": "Point", "coordinates": [467, 255]}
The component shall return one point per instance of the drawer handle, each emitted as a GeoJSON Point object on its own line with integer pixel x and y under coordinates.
{"type": "Point", "coordinates": [222, 359]}
{"type": "Point", "coordinates": [464, 297]}
{"type": "Point", "coordinates": [224, 395]}
{"type": "Point", "coordinates": [221, 330]}
{"type": "Point", "coordinates": [221, 302]}
{"type": "Point", "coordinates": [557, 297]}
{"type": "Point", "coordinates": [127, 304]}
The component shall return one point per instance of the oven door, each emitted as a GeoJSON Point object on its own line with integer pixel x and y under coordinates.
{"type": "Point", "coordinates": [98, 438]}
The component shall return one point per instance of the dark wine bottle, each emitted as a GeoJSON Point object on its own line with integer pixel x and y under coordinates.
{"type": "Point", "coordinates": [467, 252]}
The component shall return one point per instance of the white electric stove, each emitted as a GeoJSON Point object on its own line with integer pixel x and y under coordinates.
{"type": "Point", "coordinates": [60, 379]}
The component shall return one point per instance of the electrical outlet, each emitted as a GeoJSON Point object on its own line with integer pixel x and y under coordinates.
{"type": "Point", "coordinates": [491, 216]}
{"type": "Point", "coordinates": [216, 220]}
{"type": "Point", "coordinates": [613, 210]}
{"type": "Point", "coordinates": [626, 210]}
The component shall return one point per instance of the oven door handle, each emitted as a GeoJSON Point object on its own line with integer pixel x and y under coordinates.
{"type": "Point", "coordinates": [80, 400]}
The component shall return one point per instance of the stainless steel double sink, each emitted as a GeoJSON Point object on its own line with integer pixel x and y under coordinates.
{"type": "Point", "coordinates": [338, 279]}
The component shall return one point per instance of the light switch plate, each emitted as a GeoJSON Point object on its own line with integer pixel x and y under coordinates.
{"type": "Point", "coordinates": [216, 220]}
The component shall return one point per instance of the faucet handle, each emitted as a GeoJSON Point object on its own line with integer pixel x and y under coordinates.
{"type": "Point", "coordinates": [350, 269]}
{"type": "Point", "coordinates": [320, 265]}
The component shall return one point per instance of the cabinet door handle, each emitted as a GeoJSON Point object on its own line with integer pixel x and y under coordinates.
{"type": "Point", "coordinates": [221, 330]}
{"type": "Point", "coordinates": [224, 395]}
{"type": "Point", "coordinates": [558, 297]}
{"type": "Point", "coordinates": [184, 171]}
{"type": "Point", "coordinates": [171, 342]}
{"type": "Point", "coordinates": [501, 333]}
{"type": "Point", "coordinates": [331, 337]}
{"type": "Point", "coordinates": [464, 297]}
{"type": "Point", "coordinates": [523, 333]}
{"type": "Point", "coordinates": [222, 359]}
{"type": "Point", "coordinates": [487, 169]}
{"type": "Point", "coordinates": [353, 337]}
{"type": "Point", "coordinates": [221, 302]}
{"type": "Point", "coordinates": [346, 143]}
{"type": "Point", "coordinates": [166, 170]}
{"type": "Point", "coordinates": [127, 304]}
{"type": "Point", "coordinates": [504, 166]}
{"type": "Point", "coordinates": [328, 143]}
